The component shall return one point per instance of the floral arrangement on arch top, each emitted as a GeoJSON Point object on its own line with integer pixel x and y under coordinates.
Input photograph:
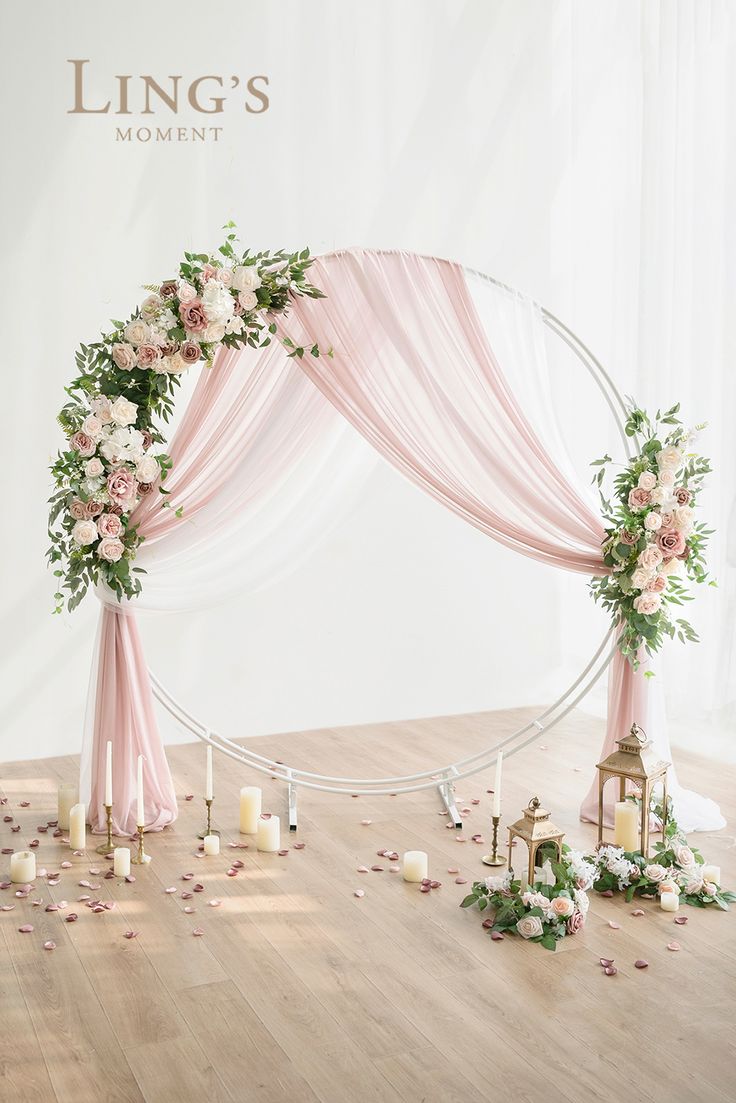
{"type": "Point", "coordinates": [124, 389]}
{"type": "Point", "coordinates": [652, 538]}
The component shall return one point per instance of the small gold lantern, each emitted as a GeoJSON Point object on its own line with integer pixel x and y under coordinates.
{"type": "Point", "coordinates": [537, 830]}
{"type": "Point", "coordinates": [637, 762]}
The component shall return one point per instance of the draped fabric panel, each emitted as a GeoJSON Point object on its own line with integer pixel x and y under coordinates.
{"type": "Point", "coordinates": [412, 369]}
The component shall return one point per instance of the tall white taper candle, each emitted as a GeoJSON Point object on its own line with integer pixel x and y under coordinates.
{"type": "Point", "coordinates": [208, 793]}
{"type": "Point", "coordinates": [496, 811]}
{"type": "Point", "coordinates": [140, 803]}
{"type": "Point", "coordinates": [108, 774]}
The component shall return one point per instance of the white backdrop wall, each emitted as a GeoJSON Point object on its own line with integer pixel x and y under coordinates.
{"type": "Point", "coordinates": [580, 151]}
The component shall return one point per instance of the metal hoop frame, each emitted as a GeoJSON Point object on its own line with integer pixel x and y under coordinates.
{"type": "Point", "coordinates": [441, 778]}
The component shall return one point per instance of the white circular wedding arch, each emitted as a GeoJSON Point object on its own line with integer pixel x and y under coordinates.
{"type": "Point", "coordinates": [443, 777]}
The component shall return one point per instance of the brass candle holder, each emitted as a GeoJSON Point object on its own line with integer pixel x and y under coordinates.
{"type": "Point", "coordinates": [141, 858]}
{"type": "Point", "coordinates": [493, 858]}
{"type": "Point", "coordinates": [108, 846]}
{"type": "Point", "coordinates": [209, 829]}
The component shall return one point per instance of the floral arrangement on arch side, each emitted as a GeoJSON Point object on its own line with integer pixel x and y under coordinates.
{"type": "Point", "coordinates": [652, 538]}
{"type": "Point", "coordinates": [551, 908]}
{"type": "Point", "coordinates": [124, 389]}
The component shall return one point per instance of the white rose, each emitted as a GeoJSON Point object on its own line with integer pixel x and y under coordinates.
{"type": "Point", "coordinates": [234, 324]}
{"type": "Point", "coordinates": [92, 426]}
{"type": "Point", "coordinates": [661, 496]}
{"type": "Point", "coordinates": [248, 300]}
{"type": "Point", "coordinates": [123, 412]}
{"type": "Point", "coordinates": [640, 578]}
{"type": "Point", "coordinates": [146, 470]}
{"type": "Point", "coordinates": [582, 903]}
{"type": "Point", "coordinates": [84, 532]}
{"type": "Point", "coordinates": [136, 332]}
{"type": "Point", "coordinates": [530, 926]}
{"type": "Point", "coordinates": [667, 477]}
{"type": "Point", "coordinates": [682, 517]}
{"type": "Point", "coordinates": [653, 521]}
{"type": "Point", "coordinates": [217, 302]}
{"type": "Point", "coordinates": [647, 481]}
{"type": "Point", "coordinates": [100, 407]}
{"type": "Point", "coordinates": [123, 444]}
{"type": "Point", "coordinates": [671, 567]}
{"type": "Point", "coordinates": [656, 873]}
{"type": "Point", "coordinates": [186, 292]}
{"type": "Point", "coordinates": [669, 457]}
{"type": "Point", "coordinates": [694, 883]}
{"type": "Point", "coordinates": [246, 278]}
{"type": "Point", "coordinates": [94, 468]}
{"type": "Point", "coordinates": [214, 332]}
{"type": "Point", "coordinates": [174, 365]}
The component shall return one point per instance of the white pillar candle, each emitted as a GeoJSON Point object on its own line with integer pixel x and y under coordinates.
{"type": "Point", "coordinates": [108, 774]}
{"type": "Point", "coordinates": [711, 874]}
{"type": "Point", "coordinates": [23, 867]}
{"type": "Point", "coordinates": [669, 902]}
{"type": "Point", "coordinates": [269, 834]}
{"type": "Point", "coordinates": [415, 865]}
{"type": "Point", "coordinates": [121, 861]}
{"type": "Point", "coordinates": [77, 828]}
{"type": "Point", "coordinates": [250, 809]}
{"type": "Point", "coordinates": [212, 844]}
{"type": "Point", "coordinates": [208, 792]}
{"type": "Point", "coordinates": [496, 811]}
{"type": "Point", "coordinates": [67, 797]}
{"type": "Point", "coordinates": [140, 805]}
{"type": "Point", "coordinates": [626, 825]}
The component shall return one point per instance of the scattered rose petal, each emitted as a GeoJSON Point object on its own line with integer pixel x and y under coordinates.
{"type": "Point", "coordinates": [610, 970]}
{"type": "Point", "coordinates": [187, 895]}
{"type": "Point", "coordinates": [49, 945]}
{"type": "Point", "coordinates": [608, 893]}
{"type": "Point", "coordinates": [425, 881]}
{"type": "Point", "coordinates": [358, 892]}
{"type": "Point", "coordinates": [53, 881]}
{"type": "Point", "coordinates": [283, 853]}
{"type": "Point", "coordinates": [363, 869]}
{"type": "Point", "coordinates": [25, 804]}
{"type": "Point", "coordinates": [436, 884]}
{"type": "Point", "coordinates": [234, 873]}
{"type": "Point", "coordinates": [66, 865]}
{"type": "Point", "coordinates": [37, 903]}
{"type": "Point", "coordinates": [237, 864]}
{"type": "Point", "coordinates": [33, 843]}
{"type": "Point", "coordinates": [681, 920]}
{"type": "Point", "coordinates": [458, 838]}
{"type": "Point", "coordinates": [488, 923]}
{"type": "Point", "coordinates": [109, 875]}
{"type": "Point", "coordinates": [392, 856]}
{"type": "Point", "coordinates": [131, 934]}
{"type": "Point", "coordinates": [461, 880]}
{"type": "Point", "coordinates": [16, 829]}
{"type": "Point", "coordinates": [425, 888]}
{"type": "Point", "coordinates": [7, 907]}
{"type": "Point", "coordinates": [109, 905]}
{"type": "Point", "coordinates": [612, 923]}
{"type": "Point", "coordinates": [197, 932]}
{"type": "Point", "coordinates": [377, 869]}
{"type": "Point", "coordinates": [96, 908]}
{"type": "Point", "coordinates": [84, 884]}
{"type": "Point", "coordinates": [188, 910]}
{"type": "Point", "coordinates": [394, 869]}
{"type": "Point", "coordinates": [496, 936]}
{"type": "Point", "coordinates": [366, 822]}
{"type": "Point", "coordinates": [7, 850]}
{"type": "Point", "coordinates": [84, 899]}
{"type": "Point", "coordinates": [638, 911]}
{"type": "Point", "coordinates": [26, 928]}
{"type": "Point", "coordinates": [214, 903]}
{"type": "Point", "coordinates": [674, 946]}
{"type": "Point", "coordinates": [452, 869]}
{"type": "Point", "coordinates": [172, 888]}
{"type": "Point", "coordinates": [41, 830]}
{"type": "Point", "coordinates": [22, 893]}
{"type": "Point", "coordinates": [7, 819]}
{"type": "Point", "coordinates": [382, 853]}
{"type": "Point", "coordinates": [95, 872]}
{"type": "Point", "coordinates": [475, 800]}
{"type": "Point", "coordinates": [130, 879]}
{"type": "Point", "coordinates": [52, 823]}
{"type": "Point", "coordinates": [198, 887]}
{"type": "Point", "coordinates": [187, 876]}
{"type": "Point", "coordinates": [606, 961]}
{"type": "Point", "coordinates": [189, 796]}
{"type": "Point", "coordinates": [299, 846]}
{"type": "Point", "coordinates": [641, 964]}
{"type": "Point", "coordinates": [5, 884]}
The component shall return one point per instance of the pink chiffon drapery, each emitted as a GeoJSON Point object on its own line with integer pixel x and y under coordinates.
{"type": "Point", "coordinates": [412, 369]}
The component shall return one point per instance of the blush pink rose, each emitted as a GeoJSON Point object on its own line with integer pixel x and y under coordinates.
{"type": "Point", "coordinates": [122, 486]}
{"type": "Point", "coordinates": [124, 355]}
{"type": "Point", "coordinates": [109, 525]}
{"type": "Point", "coordinates": [626, 537]}
{"type": "Point", "coordinates": [575, 923]}
{"type": "Point", "coordinates": [657, 584]}
{"type": "Point", "coordinates": [190, 352]}
{"type": "Point", "coordinates": [563, 906]}
{"type": "Point", "coordinates": [671, 542]}
{"type": "Point", "coordinates": [647, 603]}
{"type": "Point", "coordinates": [647, 480]}
{"type": "Point", "coordinates": [83, 444]}
{"type": "Point", "coordinates": [148, 355]}
{"type": "Point", "coordinates": [208, 272]}
{"type": "Point", "coordinates": [110, 549]}
{"type": "Point", "coordinates": [77, 509]}
{"type": "Point", "coordinates": [639, 498]}
{"type": "Point", "coordinates": [193, 316]}
{"type": "Point", "coordinates": [651, 557]}
{"type": "Point", "coordinates": [682, 495]}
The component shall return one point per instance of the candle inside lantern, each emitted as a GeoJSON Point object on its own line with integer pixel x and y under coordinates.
{"type": "Point", "coordinates": [212, 844]}
{"type": "Point", "coordinates": [250, 809]}
{"type": "Point", "coordinates": [626, 825]}
{"type": "Point", "coordinates": [140, 804]}
{"type": "Point", "coordinates": [108, 774]}
{"type": "Point", "coordinates": [67, 797]}
{"type": "Point", "coordinates": [269, 834]}
{"type": "Point", "coordinates": [77, 828]}
{"type": "Point", "coordinates": [669, 902]}
{"type": "Point", "coordinates": [23, 867]}
{"type": "Point", "coordinates": [208, 792]}
{"type": "Point", "coordinates": [121, 861]}
{"type": "Point", "coordinates": [496, 810]}
{"type": "Point", "coordinates": [711, 874]}
{"type": "Point", "coordinates": [415, 865]}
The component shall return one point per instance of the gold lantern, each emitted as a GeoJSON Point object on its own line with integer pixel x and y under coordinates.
{"type": "Point", "coordinates": [537, 830]}
{"type": "Point", "coordinates": [635, 761]}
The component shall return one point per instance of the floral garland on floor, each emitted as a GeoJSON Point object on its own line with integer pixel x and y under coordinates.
{"type": "Point", "coordinates": [125, 386]}
{"type": "Point", "coordinates": [652, 534]}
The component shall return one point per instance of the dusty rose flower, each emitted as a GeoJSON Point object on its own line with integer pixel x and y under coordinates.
{"type": "Point", "coordinates": [647, 480]}
{"type": "Point", "coordinates": [667, 518]}
{"type": "Point", "coordinates": [653, 521]}
{"type": "Point", "coordinates": [92, 508]}
{"type": "Point", "coordinates": [575, 923]}
{"type": "Point", "coordinates": [169, 348]}
{"type": "Point", "coordinates": [193, 316]}
{"type": "Point", "coordinates": [147, 439]}
{"type": "Point", "coordinates": [145, 488]}
{"type": "Point", "coordinates": [530, 926]}
{"type": "Point", "coordinates": [122, 486]}
{"type": "Point", "coordinates": [167, 290]}
{"type": "Point", "coordinates": [77, 509]}
{"type": "Point", "coordinates": [563, 906]}
{"type": "Point", "coordinates": [639, 498]}
{"type": "Point", "coordinates": [110, 549]}
{"type": "Point", "coordinates": [626, 537]}
{"type": "Point", "coordinates": [208, 272]}
{"type": "Point", "coordinates": [84, 533]}
{"type": "Point", "coordinates": [190, 352]}
{"type": "Point", "coordinates": [671, 542]}
{"type": "Point", "coordinates": [657, 584]}
{"type": "Point", "coordinates": [237, 308]}
{"type": "Point", "coordinates": [83, 444]}
{"type": "Point", "coordinates": [650, 557]}
{"type": "Point", "coordinates": [124, 355]}
{"type": "Point", "coordinates": [647, 603]}
{"type": "Point", "coordinates": [148, 355]}
{"type": "Point", "coordinates": [682, 495]}
{"type": "Point", "coordinates": [109, 525]}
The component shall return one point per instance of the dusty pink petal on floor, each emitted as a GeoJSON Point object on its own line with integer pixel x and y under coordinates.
{"type": "Point", "coordinates": [435, 884]}
{"type": "Point", "coordinates": [95, 872]}
{"type": "Point", "coordinates": [496, 936]}
{"type": "Point", "coordinates": [394, 869]}
{"type": "Point", "coordinates": [234, 873]}
{"type": "Point", "coordinates": [610, 970]}
{"type": "Point", "coordinates": [606, 961]}
{"type": "Point", "coordinates": [49, 945]}
{"type": "Point", "coordinates": [366, 822]}
{"type": "Point", "coordinates": [475, 800]}
{"type": "Point", "coordinates": [188, 911]}
{"type": "Point", "coordinates": [53, 881]}
{"type": "Point", "coordinates": [66, 865]}
{"type": "Point", "coordinates": [612, 923]}
{"type": "Point", "coordinates": [26, 928]}
{"type": "Point", "coordinates": [83, 899]}
{"type": "Point", "coordinates": [189, 796]}
{"type": "Point", "coordinates": [237, 864]}
{"type": "Point", "coordinates": [363, 869]}
{"type": "Point", "coordinates": [187, 895]}
{"type": "Point", "coordinates": [25, 804]}
{"type": "Point", "coordinates": [7, 908]}
{"type": "Point", "coordinates": [131, 934]}
{"type": "Point", "coordinates": [641, 964]}
{"type": "Point", "coordinates": [214, 903]}
{"type": "Point", "coordinates": [282, 853]}
{"type": "Point", "coordinates": [680, 920]}
{"type": "Point", "coordinates": [608, 893]}
{"type": "Point", "coordinates": [84, 884]}
{"type": "Point", "coordinates": [674, 946]}
{"type": "Point", "coordinates": [130, 879]}
{"type": "Point", "coordinates": [461, 880]}
{"type": "Point", "coordinates": [299, 846]}
{"type": "Point", "coordinates": [392, 856]}
{"type": "Point", "coordinates": [358, 892]}
{"type": "Point", "coordinates": [199, 888]}
{"type": "Point", "coordinates": [170, 889]}
{"type": "Point", "coordinates": [16, 829]}
{"type": "Point", "coordinates": [7, 850]}
{"type": "Point", "coordinates": [377, 869]}
{"type": "Point", "coordinates": [425, 888]}
{"type": "Point", "coordinates": [638, 911]}
{"type": "Point", "coordinates": [5, 884]}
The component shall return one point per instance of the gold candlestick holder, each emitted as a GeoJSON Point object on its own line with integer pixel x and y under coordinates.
{"type": "Point", "coordinates": [493, 858]}
{"type": "Point", "coordinates": [209, 829]}
{"type": "Point", "coordinates": [141, 858]}
{"type": "Point", "coordinates": [108, 846]}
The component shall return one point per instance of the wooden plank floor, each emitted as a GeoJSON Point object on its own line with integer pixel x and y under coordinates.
{"type": "Point", "coordinates": [300, 991]}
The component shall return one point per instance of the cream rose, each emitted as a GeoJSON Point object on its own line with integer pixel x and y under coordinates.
{"type": "Point", "coordinates": [92, 426]}
{"type": "Point", "coordinates": [248, 300]}
{"type": "Point", "coordinates": [653, 521]}
{"type": "Point", "coordinates": [225, 276]}
{"type": "Point", "coordinates": [94, 468]}
{"type": "Point", "coordinates": [530, 926]}
{"type": "Point", "coordinates": [661, 496]}
{"type": "Point", "coordinates": [640, 578]}
{"type": "Point", "coordinates": [123, 355]}
{"type": "Point", "coordinates": [563, 906]}
{"type": "Point", "coordinates": [656, 873]}
{"type": "Point", "coordinates": [667, 477]}
{"type": "Point", "coordinates": [671, 566]}
{"type": "Point", "coordinates": [214, 332]}
{"type": "Point", "coordinates": [84, 533]}
{"type": "Point", "coordinates": [136, 332]}
{"type": "Point", "coordinates": [682, 516]}
{"type": "Point", "coordinates": [647, 603]}
{"type": "Point", "coordinates": [147, 470]}
{"type": "Point", "coordinates": [684, 856]}
{"type": "Point", "coordinates": [175, 364]}
{"type": "Point", "coordinates": [647, 480]}
{"type": "Point", "coordinates": [694, 884]}
{"type": "Point", "coordinates": [650, 557]}
{"type": "Point", "coordinates": [669, 457]}
{"type": "Point", "coordinates": [246, 278]}
{"type": "Point", "coordinates": [110, 549]}
{"type": "Point", "coordinates": [123, 412]}
{"type": "Point", "coordinates": [100, 407]}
